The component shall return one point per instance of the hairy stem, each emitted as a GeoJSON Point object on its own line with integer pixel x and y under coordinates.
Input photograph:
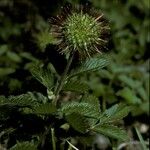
{"type": "Point", "coordinates": [62, 79]}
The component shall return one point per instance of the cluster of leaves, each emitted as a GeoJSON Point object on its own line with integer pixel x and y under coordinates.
{"type": "Point", "coordinates": [82, 115]}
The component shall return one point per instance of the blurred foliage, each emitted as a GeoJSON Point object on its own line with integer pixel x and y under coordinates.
{"type": "Point", "coordinates": [24, 40]}
{"type": "Point", "coordinates": [127, 77]}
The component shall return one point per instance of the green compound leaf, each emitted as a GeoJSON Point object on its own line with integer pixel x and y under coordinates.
{"type": "Point", "coordinates": [76, 86]}
{"type": "Point", "coordinates": [44, 76]}
{"type": "Point", "coordinates": [115, 113]}
{"type": "Point", "coordinates": [24, 146]}
{"type": "Point", "coordinates": [111, 131]}
{"type": "Point", "coordinates": [78, 122]}
{"type": "Point", "coordinates": [92, 64]}
{"type": "Point", "coordinates": [45, 109]}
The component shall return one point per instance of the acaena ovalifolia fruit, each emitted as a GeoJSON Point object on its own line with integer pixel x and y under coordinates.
{"type": "Point", "coordinates": [80, 29]}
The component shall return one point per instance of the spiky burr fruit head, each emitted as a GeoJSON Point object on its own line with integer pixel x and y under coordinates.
{"type": "Point", "coordinates": [80, 29]}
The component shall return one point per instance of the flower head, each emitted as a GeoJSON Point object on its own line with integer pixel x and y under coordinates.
{"type": "Point", "coordinates": [80, 29]}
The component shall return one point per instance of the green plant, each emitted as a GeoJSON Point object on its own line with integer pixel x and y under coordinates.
{"type": "Point", "coordinates": [81, 115]}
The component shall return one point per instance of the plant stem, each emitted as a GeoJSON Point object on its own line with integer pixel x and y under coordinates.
{"type": "Point", "coordinates": [57, 90]}
{"type": "Point", "coordinates": [62, 79]}
{"type": "Point", "coordinates": [53, 139]}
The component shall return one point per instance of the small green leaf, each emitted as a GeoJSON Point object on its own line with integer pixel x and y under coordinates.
{"type": "Point", "coordinates": [115, 113]}
{"type": "Point", "coordinates": [78, 122]}
{"type": "Point", "coordinates": [82, 108]}
{"type": "Point", "coordinates": [44, 76]}
{"type": "Point", "coordinates": [92, 64]}
{"type": "Point", "coordinates": [6, 71]}
{"type": "Point", "coordinates": [13, 103]}
{"type": "Point", "coordinates": [14, 56]}
{"type": "Point", "coordinates": [28, 56]}
{"type": "Point", "coordinates": [117, 68]}
{"type": "Point", "coordinates": [76, 86]}
{"type": "Point", "coordinates": [24, 146]}
{"type": "Point", "coordinates": [129, 96]}
{"type": "Point", "coordinates": [129, 81]}
{"type": "Point", "coordinates": [111, 131]}
{"type": "Point", "coordinates": [45, 109]}
{"type": "Point", "coordinates": [23, 100]}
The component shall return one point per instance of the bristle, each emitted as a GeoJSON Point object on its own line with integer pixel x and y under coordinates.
{"type": "Point", "coordinates": [98, 50]}
{"type": "Point", "coordinates": [99, 17]}
{"type": "Point", "coordinates": [102, 40]}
